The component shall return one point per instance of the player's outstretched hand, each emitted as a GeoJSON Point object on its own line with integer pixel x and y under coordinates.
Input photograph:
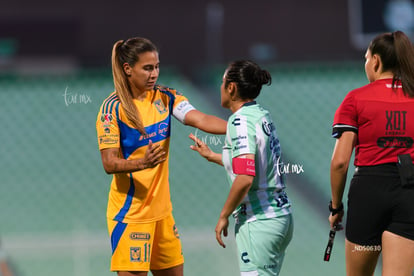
{"type": "Point", "coordinates": [200, 147]}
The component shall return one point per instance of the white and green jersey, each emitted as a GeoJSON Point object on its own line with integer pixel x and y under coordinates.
{"type": "Point", "coordinates": [251, 130]}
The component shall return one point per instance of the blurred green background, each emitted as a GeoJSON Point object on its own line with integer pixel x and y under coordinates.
{"type": "Point", "coordinates": [54, 190]}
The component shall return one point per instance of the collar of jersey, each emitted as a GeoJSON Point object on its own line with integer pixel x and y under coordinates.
{"type": "Point", "coordinates": [249, 103]}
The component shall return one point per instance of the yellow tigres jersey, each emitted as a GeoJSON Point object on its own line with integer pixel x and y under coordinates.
{"type": "Point", "coordinates": [141, 196]}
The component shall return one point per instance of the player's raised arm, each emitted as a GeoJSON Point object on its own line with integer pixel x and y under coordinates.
{"type": "Point", "coordinates": [205, 122]}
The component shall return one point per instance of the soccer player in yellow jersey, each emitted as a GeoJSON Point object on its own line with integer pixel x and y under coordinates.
{"type": "Point", "coordinates": [133, 128]}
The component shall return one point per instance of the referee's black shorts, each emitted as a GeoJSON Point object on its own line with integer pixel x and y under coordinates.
{"type": "Point", "coordinates": [376, 203]}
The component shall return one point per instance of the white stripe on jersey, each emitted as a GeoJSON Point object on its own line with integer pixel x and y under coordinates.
{"type": "Point", "coordinates": [262, 161]}
{"type": "Point", "coordinates": [344, 126]}
{"type": "Point", "coordinates": [242, 132]}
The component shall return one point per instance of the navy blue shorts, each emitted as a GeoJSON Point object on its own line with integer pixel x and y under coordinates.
{"type": "Point", "coordinates": [377, 202]}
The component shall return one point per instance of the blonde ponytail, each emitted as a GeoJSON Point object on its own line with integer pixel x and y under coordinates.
{"type": "Point", "coordinates": [123, 90]}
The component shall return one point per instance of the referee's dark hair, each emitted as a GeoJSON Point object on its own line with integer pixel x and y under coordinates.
{"type": "Point", "coordinates": [397, 55]}
{"type": "Point", "coordinates": [248, 77]}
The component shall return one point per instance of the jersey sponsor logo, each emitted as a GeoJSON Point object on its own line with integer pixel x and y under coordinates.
{"type": "Point", "coordinates": [140, 236]}
{"type": "Point", "coordinates": [147, 136]}
{"type": "Point", "coordinates": [239, 143]}
{"type": "Point", "coordinates": [163, 129]}
{"type": "Point", "coordinates": [131, 139]}
{"type": "Point", "coordinates": [110, 139]}
{"type": "Point", "coordinates": [244, 257]}
{"type": "Point", "coordinates": [395, 142]}
{"type": "Point", "coordinates": [395, 128]}
{"type": "Point", "coordinates": [239, 138]}
{"type": "Point", "coordinates": [396, 122]}
{"type": "Point", "coordinates": [107, 125]}
{"type": "Point", "coordinates": [240, 147]}
{"type": "Point", "coordinates": [236, 122]}
{"type": "Point", "coordinates": [268, 127]}
{"type": "Point", "coordinates": [159, 105]}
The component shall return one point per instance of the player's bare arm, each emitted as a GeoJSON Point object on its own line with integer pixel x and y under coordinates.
{"type": "Point", "coordinates": [238, 191]}
{"type": "Point", "coordinates": [205, 122]}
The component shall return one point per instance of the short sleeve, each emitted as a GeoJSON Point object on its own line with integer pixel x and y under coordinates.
{"type": "Point", "coordinates": [107, 124]}
{"type": "Point", "coordinates": [345, 118]}
{"type": "Point", "coordinates": [243, 135]}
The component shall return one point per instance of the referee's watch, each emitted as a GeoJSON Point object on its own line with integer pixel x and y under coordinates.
{"type": "Point", "coordinates": [336, 210]}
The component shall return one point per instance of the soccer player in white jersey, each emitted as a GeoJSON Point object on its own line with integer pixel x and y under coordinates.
{"type": "Point", "coordinates": [251, 156]}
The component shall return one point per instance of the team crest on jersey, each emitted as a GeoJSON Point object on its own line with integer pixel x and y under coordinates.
{"type": "Point", "coordinates": [135, 254]}
{"type": "Point", "coordinates": [160, 106]}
